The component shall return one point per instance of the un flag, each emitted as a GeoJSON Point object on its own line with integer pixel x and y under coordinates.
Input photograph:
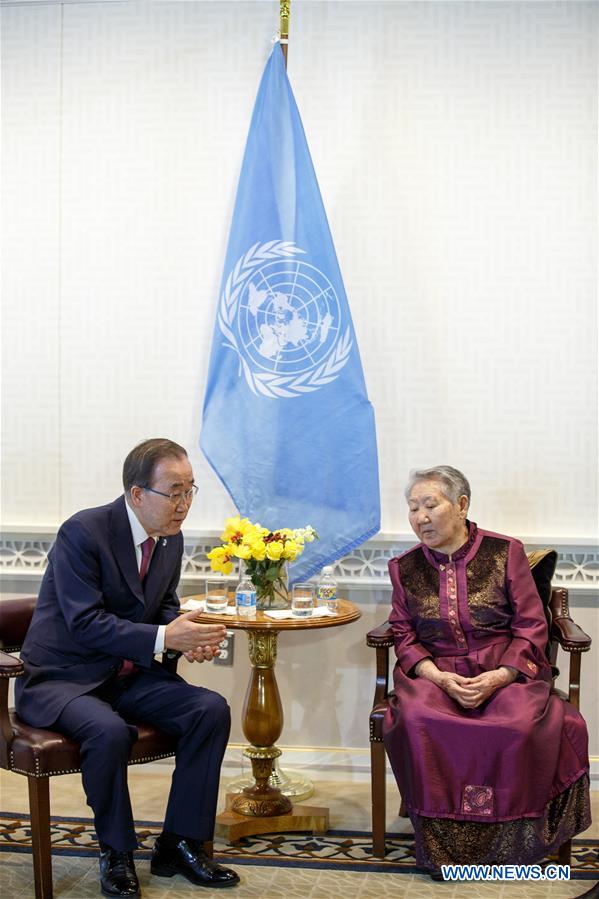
{"type": "Point", "coordinates": [287, 424]}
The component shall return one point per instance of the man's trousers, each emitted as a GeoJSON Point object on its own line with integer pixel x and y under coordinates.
{"type": "Point", "coordinates": [102, 723]}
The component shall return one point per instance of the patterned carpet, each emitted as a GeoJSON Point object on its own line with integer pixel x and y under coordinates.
{"type": "Point", "coordinates": [337, 850]}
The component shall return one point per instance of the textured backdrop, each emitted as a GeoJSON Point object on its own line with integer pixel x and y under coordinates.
{"type": "Point", "coordinates": [455, 145]}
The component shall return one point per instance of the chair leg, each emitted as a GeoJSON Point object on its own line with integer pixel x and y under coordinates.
{"type": "Point", "coordinates": [39, 809]}
{"type": "Point", "coordinates": [209, 848]}
{"type": "Point", "coordinates": [379, 808]}
{"type": "Point", "coordinates": [564, 853]}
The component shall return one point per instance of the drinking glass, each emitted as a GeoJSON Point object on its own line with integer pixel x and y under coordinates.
{"type": "Point", "coordinates": [302, 600]}
{"type": "Point", "coordinates": [216, 595]}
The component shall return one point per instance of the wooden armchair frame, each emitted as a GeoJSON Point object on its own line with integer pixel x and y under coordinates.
{"type": "Point", "coordinates": [564, 632]}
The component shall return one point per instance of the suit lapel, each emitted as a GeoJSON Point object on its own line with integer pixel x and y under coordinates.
{"type": "Point", "coordinates": [123, 548]}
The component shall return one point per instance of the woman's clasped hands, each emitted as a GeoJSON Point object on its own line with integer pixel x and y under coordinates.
{"type": "Point", "coordinates": [469, 692]}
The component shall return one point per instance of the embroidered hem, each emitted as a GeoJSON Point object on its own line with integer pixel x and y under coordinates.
{"type": "Point", "coordinates": [443, 841]}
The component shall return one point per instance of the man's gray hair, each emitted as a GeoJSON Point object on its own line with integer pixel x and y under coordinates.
{"type": "Point", "coordinates": [455, 484]}
{"type": "Point", "coordinates": [138, 468]}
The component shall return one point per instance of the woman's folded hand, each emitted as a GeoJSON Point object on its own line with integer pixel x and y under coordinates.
{"type": "Point", "coordinates": [469, 692]}
{"type": "Point", "coordinates": [459, 689]}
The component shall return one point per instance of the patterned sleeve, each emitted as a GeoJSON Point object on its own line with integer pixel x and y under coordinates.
{"type": "Point", "coordinates": [407, 648]}
{"type": "Point", "coordinates": [526, 652]}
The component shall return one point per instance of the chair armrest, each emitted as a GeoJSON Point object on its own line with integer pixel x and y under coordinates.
{"type": "Point", "coordinates": [9, 666]}
{"type": "Point", "coordinates": [380, 636]}
{"type": "Point", "coordinates": [563, 629]}
{"type": "Point", "coordinates": [15, 617]}
{"type": "Point", "coordinates": [375, 721]}
{"type": "Point", "coordinates": [569, 636]}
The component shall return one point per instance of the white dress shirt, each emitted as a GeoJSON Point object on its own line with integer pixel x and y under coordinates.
{"type": "Point", "coordinates": [139, 536]}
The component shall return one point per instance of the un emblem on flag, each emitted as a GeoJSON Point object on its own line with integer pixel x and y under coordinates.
{"type": "Point", "coordinates": [282, 317]}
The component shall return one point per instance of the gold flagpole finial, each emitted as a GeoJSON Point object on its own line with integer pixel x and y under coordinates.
{"type": "Point", "coordinates": [284, 16]}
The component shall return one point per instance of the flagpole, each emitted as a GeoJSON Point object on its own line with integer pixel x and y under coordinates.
{"type": "Point", "coordinates": [284, 27]}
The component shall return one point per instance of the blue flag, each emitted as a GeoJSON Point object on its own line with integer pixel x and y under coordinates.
{"type": "Point", "coordinates": [287, 424]}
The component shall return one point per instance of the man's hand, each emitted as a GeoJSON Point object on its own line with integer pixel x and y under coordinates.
{"type": "Point", "coordinates": [202, 654]}
{"type": "Point", "coordinates": [187, 635]}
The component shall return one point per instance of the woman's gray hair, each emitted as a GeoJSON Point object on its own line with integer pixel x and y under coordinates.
{"type": "Point", "coordinates": [454, 482]}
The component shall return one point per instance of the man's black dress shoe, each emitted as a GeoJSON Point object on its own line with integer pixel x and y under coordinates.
{"type": "Point", "coordinates": [117, 874]}
{"type": "Point", "coordinates": [188, 858]}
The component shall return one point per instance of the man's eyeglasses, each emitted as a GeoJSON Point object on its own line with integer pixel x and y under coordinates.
{"type": "Point", "coordinates": [176, 498]}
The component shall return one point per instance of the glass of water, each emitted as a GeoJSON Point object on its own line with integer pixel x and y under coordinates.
{"type": "Point", "coordinates": [302, 600]}
{"type": "Point", "coordinates": [216, 595]}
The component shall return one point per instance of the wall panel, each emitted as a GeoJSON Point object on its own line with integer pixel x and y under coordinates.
{"type": "Point", "coordinates": [455, 145]}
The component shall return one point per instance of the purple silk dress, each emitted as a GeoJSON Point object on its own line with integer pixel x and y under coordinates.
{"type": "Point", "coordinates": [506, 782]}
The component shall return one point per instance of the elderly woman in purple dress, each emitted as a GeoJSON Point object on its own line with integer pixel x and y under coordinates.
{"type": "Point", "coordinates": [491, 766]}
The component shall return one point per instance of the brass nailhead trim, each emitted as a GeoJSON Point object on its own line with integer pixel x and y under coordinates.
{"type": "Point", "coordinates": [152, 758]}
{"type": "Point", "coordinates": [38, 773]}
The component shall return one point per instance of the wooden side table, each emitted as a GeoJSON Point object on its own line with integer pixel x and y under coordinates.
{"type": "Point", "coordinates": [261, 807]}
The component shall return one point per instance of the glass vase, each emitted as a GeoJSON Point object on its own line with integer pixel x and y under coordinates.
{"type": "Point", "coordinates": [272, 593]}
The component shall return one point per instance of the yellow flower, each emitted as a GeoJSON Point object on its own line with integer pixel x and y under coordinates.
{"type": "Point", "coordinates": [243, 551]}
{"type": "Point", "coordinates": [245, 540]}
{"type": "Point", "coordinates": [217, 553]}
{"type": "Point", "coordinates": [235, 529]}
{"type": "Point", "coordinates": [292, 550]}
{"type": "Point", "coordinates": [259, 550]}
{"type": "Point", "coordinates": [274, 550]}
{"type": "Point", "coordinates": [220, 560]}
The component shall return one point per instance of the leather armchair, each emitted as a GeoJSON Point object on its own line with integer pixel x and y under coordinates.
{"type": "Point", "coordinates": [563, 632]}
{"type": "Point", "coordinates": [39, 754]}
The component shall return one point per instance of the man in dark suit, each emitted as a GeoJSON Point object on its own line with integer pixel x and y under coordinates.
{"type": "Point", "coordinates": [106, 606]}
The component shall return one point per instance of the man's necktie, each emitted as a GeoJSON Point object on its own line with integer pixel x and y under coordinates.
{"type": "Point", "coordinates": [146, 554]}
{"type": "Point", "coordinates": [127, 666]}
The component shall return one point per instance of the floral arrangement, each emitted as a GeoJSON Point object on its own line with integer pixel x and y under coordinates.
{"type": "Point", "coordinates": [265, 554]}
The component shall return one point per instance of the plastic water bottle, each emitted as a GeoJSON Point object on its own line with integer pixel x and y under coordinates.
{"type": "Point", "coordinates": [326, 590]}
{"type": "Point", "coordinates": [245, 598]}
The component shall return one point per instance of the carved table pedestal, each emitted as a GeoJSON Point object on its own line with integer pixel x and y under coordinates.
{"type": "Point", "coordinates": [261, 807]}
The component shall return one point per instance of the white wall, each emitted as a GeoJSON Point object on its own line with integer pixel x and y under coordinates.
{"type": "Point", "coordinates": [455, 145]}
